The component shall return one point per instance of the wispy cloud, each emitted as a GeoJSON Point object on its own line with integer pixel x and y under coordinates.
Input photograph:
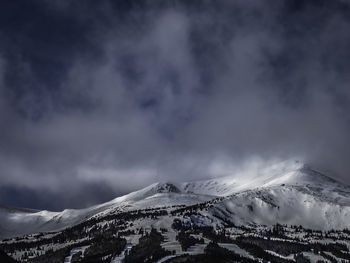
{"type": "Point", "coordinates": [157, 91]}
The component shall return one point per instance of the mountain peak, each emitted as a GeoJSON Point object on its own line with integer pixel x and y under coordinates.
{"type": "Point", "coordinates": [289, 172]}
{"type": "Point", "coordinates": [166, 188]}
{"type": "Point", "coordinates": [292, 177]}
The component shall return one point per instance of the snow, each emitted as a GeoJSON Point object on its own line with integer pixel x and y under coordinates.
{"type": "Point", "coordinates": [73, 252]}
{"type": "Point", "coordinates": [120, 258]}
{"type": "Point", "coordinates": [314, 258]}
{"type": "Point", "coordinates": [288, 192]}
{"type": "Point", "coordinates": [13, 223]}
{"type": "Point", "coordinates": [166, 258]}
{"type": "Point", "coordinates": [286, 205]}
{"type": "Point", "coordinates": [236, 249]}
{"type": "Point", "coordinates": [280, 173]}
{"type": "Point", "coordinates": [290, 257]}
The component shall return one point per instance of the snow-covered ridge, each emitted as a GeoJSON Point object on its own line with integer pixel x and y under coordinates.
{"type": "Point", "coordinates": [17, 222]}
{"type": "Point", "coordinates": [283, 173]}
{"type": "Point", "coordinates": [284, 183]}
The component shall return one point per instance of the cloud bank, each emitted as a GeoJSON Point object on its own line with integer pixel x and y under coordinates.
{"type": "Point", "coordinates": [114, 96]}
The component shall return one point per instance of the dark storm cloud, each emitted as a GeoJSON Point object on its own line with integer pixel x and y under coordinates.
{"type": "Point", "coordinates": [125, 93]}
{"type": "Point", "coordinates": [14, 196]}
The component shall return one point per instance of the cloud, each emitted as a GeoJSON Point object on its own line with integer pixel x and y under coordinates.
{"type": "Point", "coordinates": [174, 92]}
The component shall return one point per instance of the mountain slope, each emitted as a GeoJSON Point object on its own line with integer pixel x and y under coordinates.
{"type": "Point", "coordinates": [287, 173]}
{"type": "Point", "coordinates": [287, 205]}
{"type": "Point", "coordinates": [296, 197]}
{"type": "Point", "coordinates": [288, 192]}
{"type": "Point", "coordinates": [18, 222]}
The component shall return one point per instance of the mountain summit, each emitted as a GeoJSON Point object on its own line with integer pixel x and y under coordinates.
{"type": "Point", "coordinates": [287, 192]}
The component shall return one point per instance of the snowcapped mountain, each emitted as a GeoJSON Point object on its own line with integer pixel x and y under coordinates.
{"type": "Point", "coordinates": [24, 221]}
{"type": "Point", "coordinates": [288, 192]}
{"type": "Point", "coordinates": [306, 206]}
{"type": "Point", "coordinates": [287, 173]}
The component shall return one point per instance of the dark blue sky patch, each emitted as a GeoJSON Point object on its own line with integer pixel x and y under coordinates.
{"type": "Point", "coordinates": [23, 197]}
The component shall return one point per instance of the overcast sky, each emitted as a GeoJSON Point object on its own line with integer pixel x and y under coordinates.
{"type": "Point", "coordinates": [99, 98]}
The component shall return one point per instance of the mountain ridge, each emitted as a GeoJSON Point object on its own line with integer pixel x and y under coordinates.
{"type": "Point", "coordinates": [300, 181]}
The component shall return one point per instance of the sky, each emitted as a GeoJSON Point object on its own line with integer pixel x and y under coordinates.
{"type": "Point", "coordinates": [100, 98]}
